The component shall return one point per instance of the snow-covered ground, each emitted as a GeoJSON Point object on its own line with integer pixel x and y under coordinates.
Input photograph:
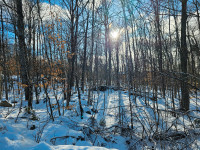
{"type": "Point", "coordinates": [101, 127]}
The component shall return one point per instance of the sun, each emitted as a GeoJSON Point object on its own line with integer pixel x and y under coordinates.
{"type": "Point", "coordinates": [114, 34]}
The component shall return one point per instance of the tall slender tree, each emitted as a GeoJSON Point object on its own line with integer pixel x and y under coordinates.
{"type": "Point", "coordinates": [185, 103]}
{"type": "Point", "coordinates": [24, 63]}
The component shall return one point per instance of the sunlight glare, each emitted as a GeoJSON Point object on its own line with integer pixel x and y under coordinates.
{"type": "Point", "coordinates": [114, 34]}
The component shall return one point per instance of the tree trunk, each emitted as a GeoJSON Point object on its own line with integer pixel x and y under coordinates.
{"type": "Point", "coordinates": [2, 44]}
{"type": "Point", "coordinates": [24, 67]}
{"type": "Point", "coordinates": [84, 56]}
{"type": "Point", "coordinates": [74, 30]}
{"type": "Point", "coordinates": [184, 104]}
{"type": "Point", "coordinates": [92, 44]}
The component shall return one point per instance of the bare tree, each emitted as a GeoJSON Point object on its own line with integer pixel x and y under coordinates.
{"type": "Point", "coordinates": [184, 105]}
{"type": "Point", "coordinates": [24, 63]}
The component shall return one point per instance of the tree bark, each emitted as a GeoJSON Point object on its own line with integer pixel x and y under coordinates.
{"type": "Point", "coordinates": [73, 31]}
{"type": "Point", "coordinates": [184, 104]}
{"type": "Point", "coordinates": [84, 56]}
{"type": "Point", "coordinates": [2, 44]}
{"type": "Point", "coordinates": [24, 69]}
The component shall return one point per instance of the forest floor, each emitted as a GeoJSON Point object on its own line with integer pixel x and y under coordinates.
{"type": "Point", "coordinates": [154, 124]}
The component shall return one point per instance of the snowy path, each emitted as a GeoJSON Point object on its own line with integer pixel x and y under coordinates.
{"type": "Point", "coordinates": [111, 107]}
{"type": "Point", "coordinates": [111, 111]}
